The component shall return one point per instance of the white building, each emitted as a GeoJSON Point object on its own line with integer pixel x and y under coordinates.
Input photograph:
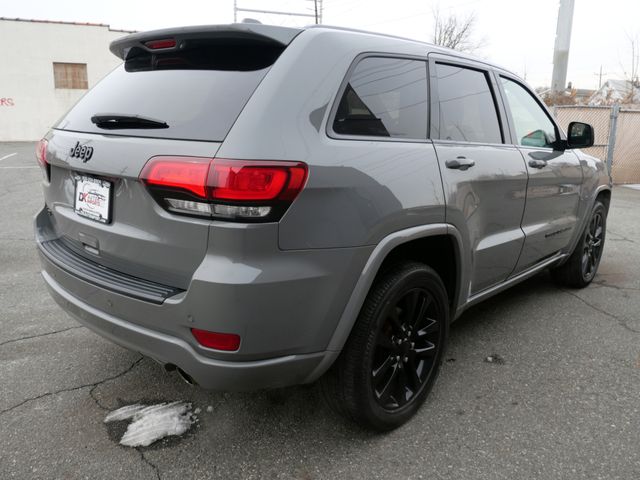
{"type": "Point", "coordinates": [45, 68]}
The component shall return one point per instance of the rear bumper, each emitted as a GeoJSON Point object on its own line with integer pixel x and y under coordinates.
{"type": "Point", "coordinates": [285, 305]}
{"type": "Point", "coordinates": [207, 372]}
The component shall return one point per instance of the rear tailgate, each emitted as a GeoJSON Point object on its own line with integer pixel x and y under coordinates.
{"type": "Point", "coordinates": [141, 238]}
{"type": "Point", "coordinates": [193, 87]}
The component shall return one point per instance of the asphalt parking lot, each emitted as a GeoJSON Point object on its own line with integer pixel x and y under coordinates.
{"type": "Point", "coordinates": [562, 402]}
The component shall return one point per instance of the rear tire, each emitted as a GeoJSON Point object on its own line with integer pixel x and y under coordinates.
{"type": "Point", "coordinates": [393, 355]}
{"type": "Point", "coordinates": [581, 267]}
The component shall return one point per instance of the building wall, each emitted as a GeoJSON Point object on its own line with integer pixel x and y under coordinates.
{"type": "Point", "coordinates": [29, 103]}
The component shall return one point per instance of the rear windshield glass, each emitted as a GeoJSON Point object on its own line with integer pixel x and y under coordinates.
{"type": "Point", "coordinates": [198, 92]}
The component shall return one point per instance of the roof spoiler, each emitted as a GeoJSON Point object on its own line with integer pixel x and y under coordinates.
{"type": "Point", "coordinates": [268, 34]}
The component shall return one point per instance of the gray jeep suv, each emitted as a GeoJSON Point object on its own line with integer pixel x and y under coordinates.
{"type": "Point", "coordinates": [259, 206]}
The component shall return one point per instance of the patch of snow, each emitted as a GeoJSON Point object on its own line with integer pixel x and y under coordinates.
{"type": "Point", "coordinates": [209, 409]}
{"type": "Point", "coordinates": [150, 423]}
{"type": "Point", "coordinates": [124, 413]}
{"type": "Point", "coordinates": [615, 91]}
{"type": "Point", "coordinates": [635, 186]}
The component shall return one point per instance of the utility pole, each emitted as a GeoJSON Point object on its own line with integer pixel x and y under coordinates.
{"type": "Point", "coordinates": [600, 77]}
{"type": "Point", "coordinates": [317, 8]}
{"type": "Point", "coordinates": [561, 48]}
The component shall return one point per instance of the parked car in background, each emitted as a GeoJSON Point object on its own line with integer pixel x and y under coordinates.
{"type": "Point", "coordinates": [262, 206]}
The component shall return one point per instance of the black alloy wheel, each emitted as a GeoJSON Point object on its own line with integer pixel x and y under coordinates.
{"type": "Point", "coordinates": [393, 355]}
{"type": "Point", "coordinates": [406, 348]}
{"type": "Point", "coordinates": [592, 245]}
{"type": "Point", "coordinates": [580, 268]}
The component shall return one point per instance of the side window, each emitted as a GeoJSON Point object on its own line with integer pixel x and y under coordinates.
{"type": "Point", "coordinates": [532, 125]}
{"type": "Point", "coordinates": [385, 97]}
{"type": "Point", "coordinates": [467, 107]}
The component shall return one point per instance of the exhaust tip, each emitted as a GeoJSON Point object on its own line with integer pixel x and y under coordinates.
{"type": "Point", "coordinates": [188, 379]}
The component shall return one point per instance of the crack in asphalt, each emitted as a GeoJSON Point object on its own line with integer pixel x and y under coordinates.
{"type": "Point", "coordinates": [619, 320]}
{"type": "Point", "coordinates": [622, 237]}
{"type": "Point", "coordinates": [616, 287]}
{"type": "Point", "coordinates": [39, 335]}
{"type": "Point", "coordinates": [96, 399]}
{"type": "Point", "coordinates": [72, 389]}
{"type": "Point", "coordinates": [144, 458]}
{"type": "Point", "coordinates": [154, 467]}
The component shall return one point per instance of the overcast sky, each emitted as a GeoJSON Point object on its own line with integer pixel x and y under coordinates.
{"type": "Point", "coordinates": [518, 35]}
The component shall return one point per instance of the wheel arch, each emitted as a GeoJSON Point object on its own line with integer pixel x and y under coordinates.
{"type": "Point", "coordinates": [412, 243]}
{"type": "Point", "coordinates": [604, 194]}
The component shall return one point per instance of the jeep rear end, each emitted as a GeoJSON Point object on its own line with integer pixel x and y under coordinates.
{"type": "Point", "coordinates": [150, 239]}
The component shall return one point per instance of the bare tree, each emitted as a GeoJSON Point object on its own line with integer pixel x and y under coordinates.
{"type": "Point", "coordinates": [560, 98]}
{"type": "Point", "coordinates": [630, 72]}
{"type": "Point", "coordinates": [455, 32]}
{"type": "Point", "coordinates": [635, 61]}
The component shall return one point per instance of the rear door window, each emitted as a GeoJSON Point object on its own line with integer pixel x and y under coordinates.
{"type": "Point", "coordinates": [467, 110]}
{"type": "Point", "coordinates": [198, 92]}
{"type": "Point", "coordinates": [385, 97]}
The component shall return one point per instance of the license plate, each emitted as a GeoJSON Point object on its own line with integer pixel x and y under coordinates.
{"type": "Point", "coordinates": [93, 198]}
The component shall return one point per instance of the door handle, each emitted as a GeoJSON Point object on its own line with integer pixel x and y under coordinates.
{"type": "Point", "coordinates": [537, 163]}
{"type": "Point", "coordinates": [460, 163]}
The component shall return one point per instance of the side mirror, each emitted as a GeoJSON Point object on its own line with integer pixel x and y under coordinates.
{"type": "Point", "coordinates": [580, 135]}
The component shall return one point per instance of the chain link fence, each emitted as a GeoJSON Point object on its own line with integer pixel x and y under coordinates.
{"type": "Point", "coordinates": [617, 137]}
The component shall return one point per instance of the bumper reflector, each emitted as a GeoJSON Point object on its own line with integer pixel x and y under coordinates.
{"type": "Point", "coordinates": [220, 341]}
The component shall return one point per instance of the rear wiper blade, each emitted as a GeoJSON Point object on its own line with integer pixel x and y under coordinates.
{"type": "Point", "coordinates": [114, 121]}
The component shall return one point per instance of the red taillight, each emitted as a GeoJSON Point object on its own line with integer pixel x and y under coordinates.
{"type": "Point", "coordinates": [243, 180]}
{"type": "Point", "coordinates": [296, 182]}
{"type": "Point", "coordinates": [220, 341]}
{"type": "Point", "coordinates": [41, 156]}
{"type": "Point", "coordinates": [231, 189]}
{"type": "Point", "coordinates": [188, 174]}
{"type": "Point", "coordinates": [159, 44]}
{"type": "Point", "coordinates": [41, 153]}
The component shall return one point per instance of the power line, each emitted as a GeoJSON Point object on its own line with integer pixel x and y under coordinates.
{"type": "Point", "coordinates": [343, 7]}
{"type": "Point", "coordinates": [316, 15]}
{"type": "Point", "coordinates": [274, 12]}
{"type": "Point", "coordinates": [398, 19]}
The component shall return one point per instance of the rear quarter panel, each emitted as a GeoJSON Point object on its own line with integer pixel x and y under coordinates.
{"type": "Point", "coordinates": [358, 191]}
